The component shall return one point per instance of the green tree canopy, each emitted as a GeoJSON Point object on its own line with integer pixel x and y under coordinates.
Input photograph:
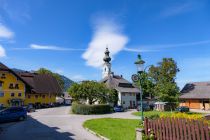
{"type": "Point", "coordinates": [147, 85]}
{"type": "Point", "coordinates": [92, 91]}
{"type": "Point", "coordinates": [56, 75]}
{"type": "Point", "coordinates": [163, 76]}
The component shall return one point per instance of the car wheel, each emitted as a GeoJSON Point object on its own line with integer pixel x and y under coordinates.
{"type": "Point", "coordinates": [22, 118]}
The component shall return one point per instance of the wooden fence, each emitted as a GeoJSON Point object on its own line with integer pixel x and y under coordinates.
{"type": "Point", "coordinates": [177, 129]}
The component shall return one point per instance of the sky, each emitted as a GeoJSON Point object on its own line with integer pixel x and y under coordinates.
{"type": "Point", "coordinates": [70, 36]}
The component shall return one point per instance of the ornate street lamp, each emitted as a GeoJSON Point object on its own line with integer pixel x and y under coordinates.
{"type": "Point", "coordinates": [137, 78]}
{"type": "Point", "coordinates": [139, 64]}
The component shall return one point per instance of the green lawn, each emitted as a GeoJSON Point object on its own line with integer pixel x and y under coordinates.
{"type": "Point", "coordinates": [114, 129]}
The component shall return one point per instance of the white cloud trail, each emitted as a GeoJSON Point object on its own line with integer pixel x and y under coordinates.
{"type": "Point", "coordinates": [5, 33]}
{"type": "Point", "coordinates": [106, 33]}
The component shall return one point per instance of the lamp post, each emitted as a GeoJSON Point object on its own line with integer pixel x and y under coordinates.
{"type": "Point", "coordinates": [137, 78]}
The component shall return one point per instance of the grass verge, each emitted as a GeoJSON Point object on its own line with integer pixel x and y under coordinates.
{"type": "Point", "coordinates": [112, 128]}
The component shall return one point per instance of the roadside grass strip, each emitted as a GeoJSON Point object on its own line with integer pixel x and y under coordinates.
{"type": "Point", "coordinates": [113, 128]}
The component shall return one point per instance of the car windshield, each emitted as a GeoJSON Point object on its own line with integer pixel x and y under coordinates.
{"type": "Point", "coordinates": [3, 110]}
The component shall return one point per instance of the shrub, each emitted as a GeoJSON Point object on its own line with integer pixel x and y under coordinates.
{"type": "Point", "coordinates": [90, 109]}
{"type": "Point", "coordinates": [194, 116]}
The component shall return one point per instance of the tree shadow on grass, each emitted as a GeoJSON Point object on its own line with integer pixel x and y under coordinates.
{"type": "Point", "coordinates": [31, 129]}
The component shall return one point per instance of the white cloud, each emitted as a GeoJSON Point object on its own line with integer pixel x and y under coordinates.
{"type": "Point", "coordinates": [177, 9]}
{"type": "Point", "coordinates": [106, 33]}
{"type": "Point", "coordinates": [49, 47]}
{"type": "Point", "coordinates": [159, 47]}
{"type": "Point", "coordinates": [2, 51]}
{"type": "Point", "coordinates": [5, 32]}
{"type": "Point", "coordinates": [139, 50]}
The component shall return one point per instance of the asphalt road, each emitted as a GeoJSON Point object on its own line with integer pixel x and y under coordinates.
{"type": "Point", "coordinates": [53, 124]}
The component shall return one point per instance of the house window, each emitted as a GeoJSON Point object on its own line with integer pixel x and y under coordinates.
{"type": "Point", "coordinates": [16, 86]}
{"type": "Point", "coordinates": [10, 86]}
{"type": "Point", "coordinates": [123, 102]}
{"type": "Point", "coordinates": [36, 96]}
{"type": "Point", "coordinates": [43, 96]}
{"type": "Point", "coordinates": [19, 94]}
{"type": "Point", "coordinates": [1, 94]}
{"type": "Point", "coordinates": [123, 94]}
{"type": "Point", "coordinates": [12, 94]}
{"type": "Point", "coordinates": [3, 76]}
{"type": "Point", "coordinates": [29, 96]}
{"type": "Point", "coordinates": [1, 84]}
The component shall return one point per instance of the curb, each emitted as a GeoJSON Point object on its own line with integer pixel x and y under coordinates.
{"type": "Point", "coordinates": [101, 137]}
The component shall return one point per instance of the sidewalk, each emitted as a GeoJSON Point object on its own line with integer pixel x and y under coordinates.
{"type": "Point", "coordinates": [200, 111]}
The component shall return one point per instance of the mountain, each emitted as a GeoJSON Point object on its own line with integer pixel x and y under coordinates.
{"type": "Point", "coordinates": [67, 82]}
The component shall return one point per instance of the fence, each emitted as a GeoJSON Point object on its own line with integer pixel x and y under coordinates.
{"type": "Point", "coordinates": [177, 129]}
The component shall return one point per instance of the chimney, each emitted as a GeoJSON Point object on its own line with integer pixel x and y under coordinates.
{"type": "Point", "coordinates": [121, 76]}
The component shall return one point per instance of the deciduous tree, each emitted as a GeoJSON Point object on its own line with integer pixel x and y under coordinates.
{"type": "Point", "coordinates": [92, 92]}
{"type": "Point", "coordinates": [163, 76]}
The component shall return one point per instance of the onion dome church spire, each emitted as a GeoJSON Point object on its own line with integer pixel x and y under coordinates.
{"type": "Point", "coordinates": [107, 65]}
{"type": "Point", "coordinates": [107, 59]}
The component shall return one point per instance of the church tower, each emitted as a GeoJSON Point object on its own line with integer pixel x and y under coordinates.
{"type": "Point", "coordinates": [106, 65]}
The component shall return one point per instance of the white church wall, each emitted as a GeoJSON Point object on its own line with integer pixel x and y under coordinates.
{"type": "Point", "coordinates": [126, 98]}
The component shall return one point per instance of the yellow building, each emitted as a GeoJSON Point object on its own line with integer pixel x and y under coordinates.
{"type": "Point", "coordinates": [23, 88]}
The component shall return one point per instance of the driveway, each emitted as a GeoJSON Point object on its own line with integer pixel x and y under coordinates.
{"type": "Point", "coordinates": [54, 124]}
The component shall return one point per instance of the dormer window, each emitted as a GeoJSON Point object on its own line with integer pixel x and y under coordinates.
{"type": "Point", "coordinates": [16, 86]}
{"type": "Point", "coordinates": [11, 86]}
{"type": "Point", "coordinates": [3, 76]}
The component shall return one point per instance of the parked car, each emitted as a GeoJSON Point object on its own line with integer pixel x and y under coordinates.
{"type": "Point", "coordinates": [1, 108]}
{"type": "Point", "coordinates": [146, 107]}
{"type": "Point", "coordinates": [13, 114]}
{"type": "Point", "coordinates": [183, 109]}
{"type": "Point", "coordinates": [118, 109]}
{"type": "Point", "coordinates": [30, 108]}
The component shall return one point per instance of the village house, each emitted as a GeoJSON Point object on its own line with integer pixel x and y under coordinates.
{"type": "Point", "coordinates": [127, 93]}
{"type": "Point", "coordinates": [196, 95]}
{"type": "Point", "coordinates": [23, 88]}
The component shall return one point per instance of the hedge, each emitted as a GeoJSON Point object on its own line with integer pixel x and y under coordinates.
{"type": "Point", "coordinates": [90, 109]}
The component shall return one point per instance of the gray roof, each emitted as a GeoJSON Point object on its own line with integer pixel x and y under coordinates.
{"type": "Point", "coordinates": [119, 83]}
{"type": "Point", "coordinates": [196, 90]}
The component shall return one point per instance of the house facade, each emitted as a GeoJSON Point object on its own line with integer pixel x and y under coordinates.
{"type": "Point", "coordinates": [127, 93]}
{"type": "Point", "coordinates": [23, 88]}
{"type": "Point", "coordinates": [196, 95]}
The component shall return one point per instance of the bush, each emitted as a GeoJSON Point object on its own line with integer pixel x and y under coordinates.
{"type": "Point", "coordinates": [194, 116]}
{"type": "Point", "coordinates": [90, 109]}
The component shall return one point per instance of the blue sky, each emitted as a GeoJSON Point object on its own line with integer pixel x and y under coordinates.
{"type": "Point", "coordinates": [69, 37]}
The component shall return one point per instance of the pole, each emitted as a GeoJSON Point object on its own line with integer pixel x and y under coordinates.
{"type": "Point", "coordinates": [141, 100]}
{"type": "Point", "coordinates": [142, 114]}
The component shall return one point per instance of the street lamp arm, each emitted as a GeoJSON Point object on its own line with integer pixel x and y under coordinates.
{"type": "Point", "coordinates": [149, 66]}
